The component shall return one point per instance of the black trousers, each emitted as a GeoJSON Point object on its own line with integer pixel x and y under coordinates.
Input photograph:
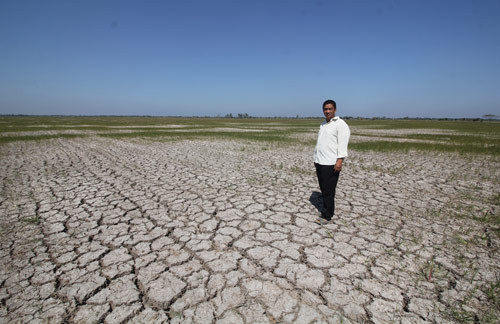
{"type": "Point", "coordinates": [327, 179]}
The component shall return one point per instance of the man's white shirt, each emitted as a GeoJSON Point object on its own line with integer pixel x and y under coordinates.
{"type": "Point", "coordinates": [333, 138]}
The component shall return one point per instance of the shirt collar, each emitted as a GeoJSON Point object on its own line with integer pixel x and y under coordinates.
{"type": "Point", "coordinates": [334, 118]}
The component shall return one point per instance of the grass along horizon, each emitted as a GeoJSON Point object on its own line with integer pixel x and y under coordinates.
{"type": "Point", "coordinates": [459, 136]}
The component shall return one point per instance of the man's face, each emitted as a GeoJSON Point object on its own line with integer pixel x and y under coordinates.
{"type": "Point", "coordinates": [329, 111]}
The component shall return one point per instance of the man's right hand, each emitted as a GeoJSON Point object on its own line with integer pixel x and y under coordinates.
{"type": "Point", "coordinates": [338, 166]}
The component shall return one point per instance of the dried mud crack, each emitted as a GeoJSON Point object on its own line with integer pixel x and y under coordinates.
{"type": "Point", "coordinates": [101, 230]}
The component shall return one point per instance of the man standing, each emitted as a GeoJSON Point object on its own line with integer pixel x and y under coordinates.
{"type": "Point", "coordinates": [330, 152]}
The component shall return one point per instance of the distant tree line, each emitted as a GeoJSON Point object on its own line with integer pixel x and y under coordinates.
{"type": "Point", "coordinates": [244, 115]}
{"type": "Point", "coordinates": [490, 117]}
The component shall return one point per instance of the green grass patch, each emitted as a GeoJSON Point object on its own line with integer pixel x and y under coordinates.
{"type": "Point", "coordinates": [461, 126]}
{"type": "Point", "coordinates": [32, 220]}
{"type": "Point", "coordinates": [492, 291]}
{"type": "Point", "coordinates": [477, 140]}
{"type": "Point", "coordinates": [273, 136]}
{"type": "Point", "coordinates": [32, 123]}
{"type": "Point", "coordinates": [389, 146]}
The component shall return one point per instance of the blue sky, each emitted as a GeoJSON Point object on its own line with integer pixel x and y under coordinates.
{"type": "Point", "coordinates": [425, 58]}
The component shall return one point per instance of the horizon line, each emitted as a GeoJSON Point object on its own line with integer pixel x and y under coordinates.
{"type": "Point", "coordinates": [493, 118]}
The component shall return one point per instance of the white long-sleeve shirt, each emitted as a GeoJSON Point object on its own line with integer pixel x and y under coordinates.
{"type": "Point", "coordinates": [333, 138]}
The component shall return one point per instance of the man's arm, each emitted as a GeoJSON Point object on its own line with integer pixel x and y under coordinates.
{"type": "Point", "coordinates": [343, 139]}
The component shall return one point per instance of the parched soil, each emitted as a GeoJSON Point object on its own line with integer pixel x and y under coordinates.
{"type": "Point", "coordinates": [102, 230]}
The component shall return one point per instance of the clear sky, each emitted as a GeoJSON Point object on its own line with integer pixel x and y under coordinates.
{"type": "Point", "coordinates": [415, 58]}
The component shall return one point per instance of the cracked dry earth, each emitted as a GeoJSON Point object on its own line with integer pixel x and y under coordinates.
{"type": "Point", "coordinates": [100, 230]}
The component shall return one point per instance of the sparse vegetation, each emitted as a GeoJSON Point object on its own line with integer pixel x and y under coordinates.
{"type": "Point", "coordinates": [32, 220]}
{"type": "Point", "coordinates": [464, 137]}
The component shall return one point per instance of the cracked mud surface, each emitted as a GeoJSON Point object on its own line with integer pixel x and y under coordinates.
{"type": "Point", "coordinates": [100, 230]}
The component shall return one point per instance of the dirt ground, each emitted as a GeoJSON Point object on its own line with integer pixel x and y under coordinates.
{"type": "Point", "coordinates": [102, 230]}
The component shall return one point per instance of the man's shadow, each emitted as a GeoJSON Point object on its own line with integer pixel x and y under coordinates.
{"type": "Point", "coordinates": [316, 200]}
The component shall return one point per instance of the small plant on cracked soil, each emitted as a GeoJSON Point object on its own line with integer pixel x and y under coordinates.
{"type": "Point", "coordinates": [32, 220]}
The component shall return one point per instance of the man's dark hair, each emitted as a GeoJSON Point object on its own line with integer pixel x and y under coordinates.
{"type": "Point", "coordinates": [330, 101]}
